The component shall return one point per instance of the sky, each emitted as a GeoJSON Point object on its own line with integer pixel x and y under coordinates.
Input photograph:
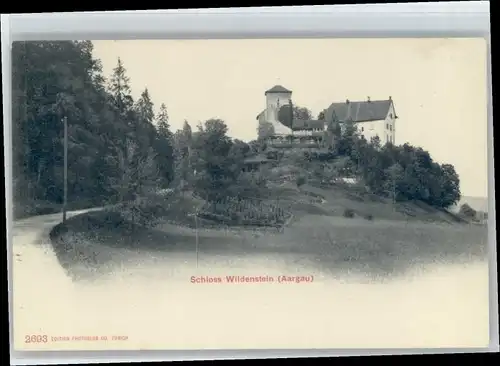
{"type": "Point", "coordinates": [439, 86]}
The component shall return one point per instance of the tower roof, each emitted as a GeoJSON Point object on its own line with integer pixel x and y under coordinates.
{"type": "Point", "coordinates": [278, 89]}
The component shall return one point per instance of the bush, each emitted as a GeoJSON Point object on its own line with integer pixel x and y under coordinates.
{"type": "Point", "coordinates": [369, 217]}
{"type": "Point", "coordinates": [148, 209]}
{"type": "Point", "coordinates": [244, 212]}
{"type": "Point", "coordinates": [301, 180]}
{"type": "Point", "coordinates": [349, 213]}
{"type": "Point", "coordinates": [467, 211]}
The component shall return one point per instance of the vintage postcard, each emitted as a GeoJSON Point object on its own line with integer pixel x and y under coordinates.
{"type": "Point", "coordinates": [250, 194]}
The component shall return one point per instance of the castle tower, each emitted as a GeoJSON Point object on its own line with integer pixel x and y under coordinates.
{"type": "Point", "coordinates": [276, 97]}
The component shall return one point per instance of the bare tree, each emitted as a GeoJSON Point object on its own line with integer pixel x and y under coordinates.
{"type": "Point", "coordinates": [395, 173]}
{"type": "Point", "coordinates": [138, 176]}
{"type": "Point", "coordinates": [147, 173]}
{"type": "Point", "coordinates": [123, 182]}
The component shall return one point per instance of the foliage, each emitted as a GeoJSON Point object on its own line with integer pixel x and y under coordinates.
{"type": "Point", "coordinates": [348, 213]}
{"type": "Point", "coordinates": [183, 143]}
{"type": "Point", "coordinates": [467, 211]}
{"type": "Point", "coordinates": [349, 136]}
{"type": "Point", "coordinates": [302, 113]}
{"type": "Point", "coordinates": [369, 217]}
{"type": "Point", "coordinates": [264, 130]}
{"type": "Point", "coordinates": [290, 112]}
{"type": "Point", "coordinates": [233, 211]}
{"type": "Point", "coordinates": [301, 180]}
{"type": "Point", "coordinates": [395, 174]}
{"type": "Point", "coordinates": [163, 146]}
{"type": "Point", "coordinates": [119, 150]}
{"type": "Point", "coordinates": [217, 167]}
{"type": "Point", "coordinates": [401, 172]}
{"type": "Point", "coordinates": [56, 79]}
{"type": "Point", "coordinates": [257, 146]}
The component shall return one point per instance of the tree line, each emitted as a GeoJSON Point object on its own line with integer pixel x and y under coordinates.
{"type": "Point", "coordinates": [403, 173]}
{"type": "Point", "coordinates": [118, 148]}
{"type": "Point", "coordinates": [116, 145]}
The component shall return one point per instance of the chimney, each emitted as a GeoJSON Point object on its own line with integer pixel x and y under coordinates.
{"type": "Point", "coordinates": [390, 98]}
{"type": "Point", "coordinates": [368, 98]}
{"type": "Point", "coordinates": [347, 101]}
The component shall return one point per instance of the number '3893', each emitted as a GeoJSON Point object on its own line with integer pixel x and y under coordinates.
{"type": "Point", "coordinates": [35, 338]}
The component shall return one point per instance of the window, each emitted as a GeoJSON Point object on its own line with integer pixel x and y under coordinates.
{"type": "Point", "coordinates": [362, 129]}
{"type": "Point", "coordinates": [387, 126]}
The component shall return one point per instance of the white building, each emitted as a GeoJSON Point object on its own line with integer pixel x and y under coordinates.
{"type": "Point", "coordinates": [372, 117]}
{"type": "Point", "coordinates": [276, 97]}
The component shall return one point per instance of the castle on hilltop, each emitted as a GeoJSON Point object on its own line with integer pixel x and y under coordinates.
{"type": "Point", "coordinates": [280, 128]}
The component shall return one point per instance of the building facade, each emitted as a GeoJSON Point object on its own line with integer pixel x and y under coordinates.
{"type": "Point", "coordinates": [276, 97]}
{"type": "Point", "coordinates": [298, 133]}
{"type": "Point", "coordinates": [372, 118]}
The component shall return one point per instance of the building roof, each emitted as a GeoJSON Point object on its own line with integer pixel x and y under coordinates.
{"type": "Point", "coordinates": [301, 125]}
{"type": "Point", "coordinates": [278, 89]}
{"type": "Point", "coordinates": [359, 111]}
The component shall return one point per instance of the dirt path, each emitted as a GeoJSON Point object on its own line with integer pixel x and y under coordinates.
{"type": "Point", "coordinates": [33, 262]}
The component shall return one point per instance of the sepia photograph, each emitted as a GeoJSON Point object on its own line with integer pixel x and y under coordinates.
{"type": "Point", "coordinates": [250, 194]}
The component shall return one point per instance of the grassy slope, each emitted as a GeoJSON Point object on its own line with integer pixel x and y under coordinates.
{"type": "Point", "coordinates": [336, 200]}
{"type": "Point", "coordinates": [319, 235]}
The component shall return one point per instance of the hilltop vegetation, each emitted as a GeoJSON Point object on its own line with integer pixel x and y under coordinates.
{"type": "Point", "coordinates": [122, 153]}
{"type": "Point", "coordinates": [404, 173]}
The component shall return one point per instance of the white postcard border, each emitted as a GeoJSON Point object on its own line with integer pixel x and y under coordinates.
{"type": "Point", "coordinates": [438, 19]}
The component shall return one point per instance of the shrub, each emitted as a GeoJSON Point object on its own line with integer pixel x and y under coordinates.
{"type": "Point", "coordinates": [301, 180]}
{"type": "Point", "coordinates": [349, 213]}
{"type": "Point", "coordinates": [244, 212]}
{"type": "Point", "coordinates": [148, 209]}
{"type": "Point", "coordinates": [369, 217]}
{"type": "Point", "coordinates": [467, 211]}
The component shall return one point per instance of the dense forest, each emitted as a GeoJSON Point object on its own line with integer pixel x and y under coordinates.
{"type": "Point", "coordinates": [118, 148]}
{"type": "Point", "coordinates": [112, 139]}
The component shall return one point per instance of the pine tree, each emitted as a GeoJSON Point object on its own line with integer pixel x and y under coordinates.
{"type": "Point", "coordinates": [120, 89]}
{"type": "Point", "coordinates": [182, 154]}
{"type": "Point", "coordinates": [143, 127]}
{"type": "Point", "coordinates": [187, 133]}
{"type": "Point", "coordinates": [162, 122]}
{"type": "Point", "coordinates": [145, 108]}
{"type": "Point", "coordinates": [164, 146]}
{"type": "Point", "coordinates": [122, 106]}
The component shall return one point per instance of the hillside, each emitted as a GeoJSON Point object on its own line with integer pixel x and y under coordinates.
{"type": "Point", "coordinates": [343, 199]}
{"type": "Point", "coordinates": [347, 201]}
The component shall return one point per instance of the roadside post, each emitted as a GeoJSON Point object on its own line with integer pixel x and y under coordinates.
{"type": "Point", "coordinates": [65, 202]}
